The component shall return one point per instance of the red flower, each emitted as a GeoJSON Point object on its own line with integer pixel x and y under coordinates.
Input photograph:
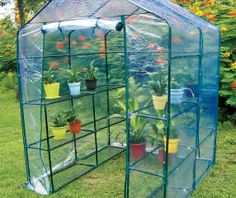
{"type": "Point", "coordinates": [100, 34]}
{"type": "Point", "coordinates": [132, 19]}
{"type": "Point", "coordinates": [233, 84]}
{"type": "Point", "coordinates": [176, 39]}
{"type": "Point", "coordinates": [81, 38]}
{"type": "Point", "coordinates": [160, 60]}
{"type": "Point", "coordinates": [53, 64]}
{"type": "Point", "coordinates": [102, 49]}
{"type": "Point", "coordinates": [211, 18]}
{"type": "Point", "coordinates": [151, 46]}
{"type": "Point", "coordinates": [232, 13]}
{"type": "Point", "coordinates": [60, 45]}
{"type": "Point", "coordinates": [87, 45]}
{"type": "Point", "coordinates": [160, 49]}
{"type": "Point", "coordinates": [102, 56]}
{"type": "Point", "coordinates": [74, 43]}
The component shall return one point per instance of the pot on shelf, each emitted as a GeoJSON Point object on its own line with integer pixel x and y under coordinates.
{"type": "Point", "coordinates": [59, 133]}
{"type": "Point", "coordinates": [159, 102]}
{"type": "Point", "coordinates": [52, 90]}
{"type": "Point", "coordinates": [162, 157]}
{"type": "Point", "coordinates": [91, 85]}
{"type": "Point", "coordinates": [75, 126]}
{"type": "Point", "coordinates": [137, 151]}
{"type": "Point", "coordinates": [173, 145]}
{"type": "Point", "coordinates": [74, 88]}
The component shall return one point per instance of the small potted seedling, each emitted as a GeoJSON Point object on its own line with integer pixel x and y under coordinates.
{"type": "Point", "coordinates": [173, 139]}
{"type": "Point", "coordinates": [59, 126]}
{"type": "Point", "coordinates": [91, 77]}
{"type": "Point", "coordinates": [74, 122]}
{"type": "Point", "coordinates": [74, 82]}
{"type": "Point", "coordinates": [51, 88]}
{"type": "Point", "coordinates": [158, 85]}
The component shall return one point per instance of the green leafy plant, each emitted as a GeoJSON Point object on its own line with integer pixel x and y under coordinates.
{"type": "Point", "coordinates": [137, 124]}
{"type": "Point", "coordinates": [158, 83]}
{"type": "Point", "coordinates": [156, 136]}
{"type": "Point", "coordinates": [59, 119]}
{"type": "Point", "coordinates": [92, 71]}
{"type": "Point", "coordinates": [73, 76]}
{"type": "Point", "coordinates": [71, 116]}
{"type": "Point", "coordinates": [48, 77]}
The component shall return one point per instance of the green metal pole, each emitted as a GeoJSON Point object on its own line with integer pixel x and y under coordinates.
{"type": "Point", "coordinates": [108, 95]}
{"type": "Point", "coordinates": [46, 120]}
{"type": "Point", "coordinates": [198, 105]}
{"type": "Point", "coordinates": [127, 172]}
{"type": "Point", "coordinates": [27, 165]}
{"type": "Point", "coordinates": [95, 128]}
{"type": "Point", "coordinates": [168, 114]}
{"type": "Point", "coordinates": [72, 102]}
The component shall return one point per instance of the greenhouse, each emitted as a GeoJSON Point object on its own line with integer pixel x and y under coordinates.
{"type": "Point", "coordinates": [106, 77]}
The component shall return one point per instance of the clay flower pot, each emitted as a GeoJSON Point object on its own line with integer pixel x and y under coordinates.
{"type": "Point", "coordinates": [75, 126]}
{"type": "Point", "coordinates": [162, 157]}
{"type": "Point", "coordinates": [137, 151]}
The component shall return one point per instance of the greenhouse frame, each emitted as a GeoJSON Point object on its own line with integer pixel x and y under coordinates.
{"type": "Point", "coordinates": [106, 77]}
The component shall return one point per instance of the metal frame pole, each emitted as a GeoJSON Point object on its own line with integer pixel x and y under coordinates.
{"type": "Point", "coordinates": [27, 165]}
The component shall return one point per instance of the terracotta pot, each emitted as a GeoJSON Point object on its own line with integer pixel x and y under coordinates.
{"type": "Point", "coordinates": [137, 151]}
{"type": "Point", "coordinates": [173, 145]}
{"type": "Point", "coordinates": [162, 157]}
{"type": "Point", "coordinates": [91, 84]}
{"type": "Point", "coordinates": [159, 102]}
{"type": "Point", "coordinates": [75, 126]}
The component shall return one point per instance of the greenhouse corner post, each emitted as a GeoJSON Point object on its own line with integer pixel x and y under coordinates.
{"type": "Point", "coordinates": [41, 116]}
{"type": "Point", "coordinates": [168, 111]}
{"type": "Point", "coordinates": [200, 51]}
{"type": "Point", "coordinates": [126, 191]}
{"type": "Point", "coordinates": [27, 166]}
{"type": "Point", "coordinates": [108, 95]}
{"type": "Point", "coordinates": [218, 76]}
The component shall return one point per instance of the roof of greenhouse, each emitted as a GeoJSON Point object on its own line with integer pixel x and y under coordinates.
{"type": "Point", "coordinates": [67, 10]}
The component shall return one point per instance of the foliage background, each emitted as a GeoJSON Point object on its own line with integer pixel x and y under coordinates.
{"type": "Point", "coordinates": [219, 12]}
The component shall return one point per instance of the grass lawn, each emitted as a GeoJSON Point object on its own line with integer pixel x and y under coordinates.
{"type": "Point", "coordinates": [108, 180]}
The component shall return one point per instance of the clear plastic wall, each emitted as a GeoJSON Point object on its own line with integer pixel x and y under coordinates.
{"type": "Point", "coordinates": [157, 40]}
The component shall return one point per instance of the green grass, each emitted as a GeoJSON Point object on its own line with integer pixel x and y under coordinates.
{"type": "Point", "coordinates": [108, 180]}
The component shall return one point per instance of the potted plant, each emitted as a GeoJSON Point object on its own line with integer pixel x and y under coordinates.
{"type": "Point", "coordinates": [51, 88]}
{"type": "Point", "coordinates": [74, 122]}
{"type": "Point", "coordinates": [158, 85]}
{"type": "Point", "coordinates": [74, 82]}
{"type": "Point", "coordinates": [156, 138]}
{"type": "Point", "coordinates": [59, 126]}
{"type": "Point", "coordinates": [137, 138]}
{"type": "Point", "coordinates": [173, 139]}
{"type": "Point", "coordinates": [90, 79]}
{"type": "Point", "coordinates": [137, 130]}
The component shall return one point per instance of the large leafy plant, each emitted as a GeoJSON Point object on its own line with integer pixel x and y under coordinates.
{"type": "Point", "coordinates": [158, 83]}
